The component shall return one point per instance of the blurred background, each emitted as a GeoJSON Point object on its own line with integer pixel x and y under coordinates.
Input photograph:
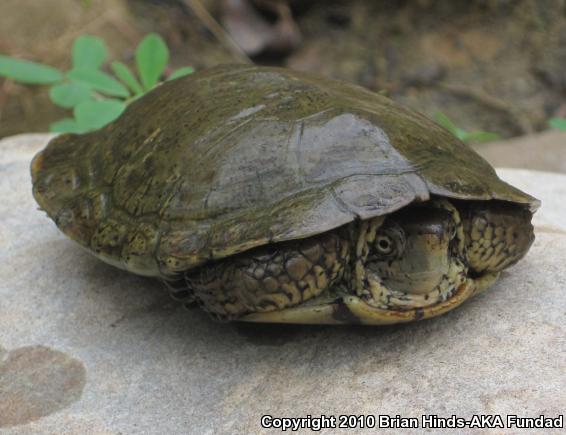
{"type": "Point", "coordinates": [496, 66]}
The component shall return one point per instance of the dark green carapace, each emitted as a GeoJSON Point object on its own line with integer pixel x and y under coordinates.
{"type": "Point", "coordinates": [270, 195]}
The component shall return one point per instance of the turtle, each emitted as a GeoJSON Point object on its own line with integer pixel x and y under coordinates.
{"type": "Point", "coordinates": [264, 194]}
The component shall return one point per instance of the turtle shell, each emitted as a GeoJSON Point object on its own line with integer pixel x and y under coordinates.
{"type": "Point", "coordinates": [235, 157]}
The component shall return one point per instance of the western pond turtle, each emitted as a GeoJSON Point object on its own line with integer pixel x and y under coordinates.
{"type": "Point", "coordinates": [269, 195]}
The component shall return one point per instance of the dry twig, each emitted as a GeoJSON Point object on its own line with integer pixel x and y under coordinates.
{"type": "Point", "coordinates": [217, 30]}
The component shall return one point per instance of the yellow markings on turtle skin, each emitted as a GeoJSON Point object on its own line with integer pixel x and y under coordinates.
{"type": "Point", "coordinates": [498, 248]}
{"type": "Point", "coordinates": [377, 292]}
{"type": "Point", "coordinates": [321, 281]}
{"type": "Point", "coordinates": [310, 281]}
{"type": "Point", "coordinates": [265, 280]}
{"type": "Point", "coordinates": [231, 308]}
{"type": "Point", "coordinates": [488, 234]}
{"type": "Point", "coordinates": [476, 234]}
{"type": "Point", "coordinates": [293, 291]}
{"type": "Point", "coordinates": [344, 250]}
{"type": "Point", "coordinates": [366, 235]}
{"type": "Point", "coordinates": [280, 300]}
{"type": "Point", "coordinates": [370, 315]}
{"type": "Point", "coordinates": [362, 239]}
{"type": "Point", "coordinates": [455, 277]}
{"type": "Point", "coordinates": [372, 230]}
{"type": "Point", "coordinates": [486, 254]}
{"type": "Point", "coordinates": [460, 236]}
{"type": "Point", "coordinates": [308, 293]}
{"type": "Point", "coordinates": [498, 240]}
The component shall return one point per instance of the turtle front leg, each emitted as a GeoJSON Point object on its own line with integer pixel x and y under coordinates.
{"type": "Point", "coordinates": [271, 278]}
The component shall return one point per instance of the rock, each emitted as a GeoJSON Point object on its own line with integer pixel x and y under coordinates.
{"type": "Point", "coordinates": [544, 151]}
{"type": "Point", "coordinates": [113, 354]}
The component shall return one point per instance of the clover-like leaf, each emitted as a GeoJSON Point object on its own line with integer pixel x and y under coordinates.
{"type": "Point", "coordinates": [68, 95]}
{"type": "Point", "coordinates": [92, 115]}
{"type": "Point", "coordinates": [152, 56]}
{"type": "Point", "coordinates": [127, 76]}
{"type": "Point", "coordinates": [447, 123]}
{"type": "Point", "coordinates": [463, 135]}
{"type": "Point", "coordinates": [181, 72]}
{"type": "Point", "coordinates": [66, 125]}
{"type": "Point", "coordinates": [99, 81]}
{"type": "Point", "coordinates": [558, 123]}
{"type": "Point", "coordinates": [32, 73]}
{"type": "Point", "coordinates": [480, 136]}
{"type": "Point", "coordinates": [89, 52]}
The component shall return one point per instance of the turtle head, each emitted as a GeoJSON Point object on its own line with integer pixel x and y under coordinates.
{"type": "Point", "coordinates": [427, 258]}
{"type": "Point", "coordinates": [413, 250]}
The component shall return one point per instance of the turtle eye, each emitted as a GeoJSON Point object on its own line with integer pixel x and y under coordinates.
{"type": "Point", "coordinates": [390, 242]}
{"type": "Point", "coordinates": [384, 244]}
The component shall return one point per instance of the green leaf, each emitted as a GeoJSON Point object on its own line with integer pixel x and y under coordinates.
{"type": "Point", "coordinates": [446, 122]}
{"type": "Point", "coordinates": [463, 135]}
{"type": "Point", "coordinates": [91, 115]}
{"type": "Point", "coordinates": [89, 52]}
{"type": "Point", "coordinates": [558, 123]}
{"type": "Point", "coordinates": [66, 125]}
{"type": "Point", "coordinates": [99, 81]}
{"type": "Point", "coordinates": [127, 76]}
{"type": "Point", "coordinates": [152, 57]}
{"type": "Point", "coordinates": [480, 136]}
{"type": "Point", "coordinates": [68, 95]}
{"type": "Point", "coordinates": [181, 72]}
{"type": "Point", "coordinates": [24, 71]}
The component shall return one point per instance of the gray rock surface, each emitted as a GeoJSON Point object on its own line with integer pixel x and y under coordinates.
{"type": "Point", "coordinates": [86, 348]}
{"type": "Point", "coordinates": [545, 151]}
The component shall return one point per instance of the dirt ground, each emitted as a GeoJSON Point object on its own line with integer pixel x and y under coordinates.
{"type": "Point", "coordinates": [495, 65]}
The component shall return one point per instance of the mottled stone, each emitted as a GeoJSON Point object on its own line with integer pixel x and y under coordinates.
{"type": "Point", "coordinates": [153, 367]}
